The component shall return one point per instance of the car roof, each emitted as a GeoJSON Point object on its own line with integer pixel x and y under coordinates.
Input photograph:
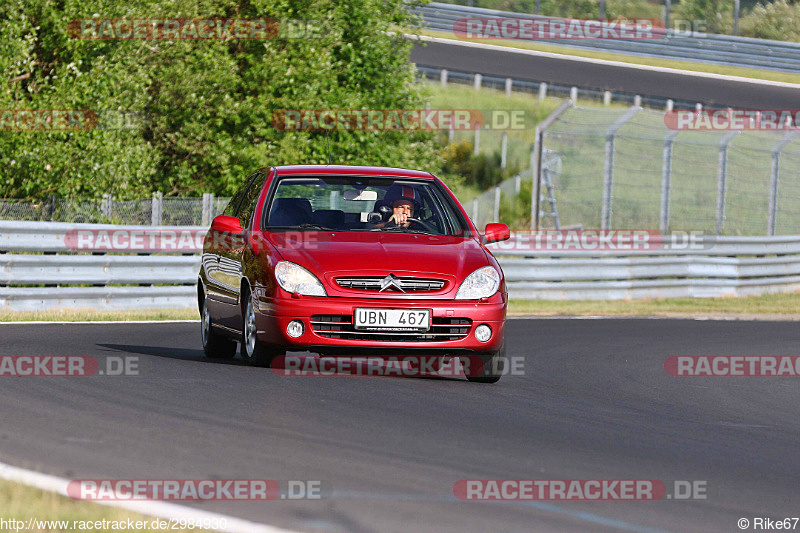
{"type": "Point", "coordinates": [352, 170]}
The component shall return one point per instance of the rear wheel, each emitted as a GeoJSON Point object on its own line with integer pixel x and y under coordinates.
{"type": "Point", "coordinates": [215, 346]}
{"type": "Point", "coordinates": [492, 367]}
{"type": "Point", "coordinates": [253, 352]}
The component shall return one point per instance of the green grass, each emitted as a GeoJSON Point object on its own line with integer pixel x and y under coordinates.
{"type": "Point", "coordinates": [88, 315]}
{"type": "Point", "coordinates": [773, 306]}
{"type": "Point", "coordinates": [20, 502]}
{"type": "Point", "coordinates": [744, 72]}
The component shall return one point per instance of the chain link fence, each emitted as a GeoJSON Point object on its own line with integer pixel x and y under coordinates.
{"type": "Point", "coordinates": [623, 168]}
{"type": "Point", "coordinates": [155, 211]}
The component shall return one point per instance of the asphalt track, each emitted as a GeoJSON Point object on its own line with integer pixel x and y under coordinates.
{"type": "Point", "coordinates": [508, 63]}
{"type": "Point", "coordinates": [595, 403]}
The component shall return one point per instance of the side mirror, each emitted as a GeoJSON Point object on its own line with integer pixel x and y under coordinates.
{"type": "Point", "coordinates": [223, 224]}
{"type": "Point", "coordinates": [496, 232]}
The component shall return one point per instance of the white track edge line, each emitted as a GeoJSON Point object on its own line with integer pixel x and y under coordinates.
{"type": "Point", "coordinates": [156, 509]}
{"type": "Point", "coordinates": [653, 317]}
{"type": "Point", "coordinates": [40, 322]}
{"type": "Point", "coordinates": [552, 55]}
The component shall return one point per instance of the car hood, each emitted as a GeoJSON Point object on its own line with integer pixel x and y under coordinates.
{"type": "Point", "coordinates": [336, 254]}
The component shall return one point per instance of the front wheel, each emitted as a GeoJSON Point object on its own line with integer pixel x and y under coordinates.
{"type": "Point", "coordinates": [491, 369]}
{"type": "Point", "coordinates": [215, 346]}
{"type": "Point", "coordinates": [253, 352]}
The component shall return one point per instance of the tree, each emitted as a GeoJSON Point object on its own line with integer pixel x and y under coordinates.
{"type": "Point", "coordinates": [717, 15]}
{"type": "Point", "coordinates": [195, 114]}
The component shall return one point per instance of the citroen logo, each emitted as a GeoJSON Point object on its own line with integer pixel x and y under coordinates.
{"type": "Point", "coordinates": [391, 281]}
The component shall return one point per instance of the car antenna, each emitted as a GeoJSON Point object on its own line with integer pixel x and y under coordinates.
{"type": "Point", "coordinates": [328, 137]}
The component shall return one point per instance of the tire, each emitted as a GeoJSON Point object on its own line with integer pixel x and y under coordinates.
{"type": "Point", "coordinates": [253, 352]}
{"type": "Point", "coordinates": [494, 365]}
{"type": "Point", "coordinates": [215, 346]}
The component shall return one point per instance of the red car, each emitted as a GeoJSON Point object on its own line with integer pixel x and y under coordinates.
{"type": "Point", "coordinates": [351, 260]}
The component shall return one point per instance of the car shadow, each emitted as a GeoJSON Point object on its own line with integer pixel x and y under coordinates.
{"type": "Point", "coordinates": [314, 365]}
{"type": "Point", "coordinates": [184, 354]}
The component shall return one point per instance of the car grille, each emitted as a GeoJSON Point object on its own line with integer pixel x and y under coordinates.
{"type": "Point", "coordinates": [407, 284]}
{"type": "Point", "coordinates": [341, 327]}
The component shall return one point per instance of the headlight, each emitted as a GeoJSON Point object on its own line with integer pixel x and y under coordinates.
{"type": "Point", "coordinates": [294, 278]}
{"type": "Point", "coordinates": [482, 283]}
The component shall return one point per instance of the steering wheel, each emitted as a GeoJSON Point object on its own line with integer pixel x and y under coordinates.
{"type": "Point", "coordinates": [425, 225]}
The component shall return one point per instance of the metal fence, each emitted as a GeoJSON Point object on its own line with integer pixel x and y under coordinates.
{"type": "Point", "coordinates": [623, 168]}
{"type": "Point", "coordinates": [155, 211]}
{"type": "Point", "coordinates": [39, 271]}
{"type": "Point", "coordinates": [705, 48]}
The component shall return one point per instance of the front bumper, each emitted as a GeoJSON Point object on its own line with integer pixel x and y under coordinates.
{"type": "Point", "coordinates": [453, 329]}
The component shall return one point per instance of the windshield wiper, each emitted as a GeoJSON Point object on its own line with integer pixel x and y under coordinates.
{"type": "Point", "coordinates": [400, 229]}
{"type": "Point", "coordinates": [315, 226]}
{"type": "Point", "coordinates": [303, 226]}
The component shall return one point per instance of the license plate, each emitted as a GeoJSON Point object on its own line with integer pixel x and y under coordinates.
{"type": "Point", "coordinates": [393, 319]}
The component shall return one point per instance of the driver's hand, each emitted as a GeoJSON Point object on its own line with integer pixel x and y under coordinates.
{"type": "Point", "coordinates": [401, 219]}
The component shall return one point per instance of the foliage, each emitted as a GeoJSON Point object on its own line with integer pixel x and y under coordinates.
{"type": "Point", "coordinates": [202, 108]}
{"type": "Point", "coordinates": [516, 211]}
{"type": "Point", "coordinates": [482, 170]}
{"type": "Point", "coordinates": [716, 14]}
{"type": "Point", "coordinates": [779, 20]}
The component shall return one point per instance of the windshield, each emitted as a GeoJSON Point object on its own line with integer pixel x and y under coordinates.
{"type": "Point", "coordinates": [353, 203]}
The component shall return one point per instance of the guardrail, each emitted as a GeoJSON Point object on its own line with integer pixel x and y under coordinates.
{"type": "Point", "coordinates": [39, 272]}
{"type": "Point", "coordinates": [684, 266]}
{"type": "Point", "coordinates": [705, 48]}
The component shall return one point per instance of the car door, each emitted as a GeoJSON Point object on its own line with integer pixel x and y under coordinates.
{"type": "Point", "coordinates": [221, 277]}
{"type": "Point", "coordinates": [231, 259]}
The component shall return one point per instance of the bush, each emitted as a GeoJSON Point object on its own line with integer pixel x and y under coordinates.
{"type": "Point", "coordinates": [779, 21]}
{"type": "Point", "coordinates": [482, 171]}
{"type": "Point", "coordinates": [516, 212]}
{"type": "Point", "coordinates": [207, 104]}
{"type": "Point", "coordinates": [717, 14]}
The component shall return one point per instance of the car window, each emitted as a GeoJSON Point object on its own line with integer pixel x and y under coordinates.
{"type": "Point", "coordinates": [249, 199]}
{"type": "Point", "coordinates": [233, 206]}
{"type": "Point", "coordinates": [356, 203]}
